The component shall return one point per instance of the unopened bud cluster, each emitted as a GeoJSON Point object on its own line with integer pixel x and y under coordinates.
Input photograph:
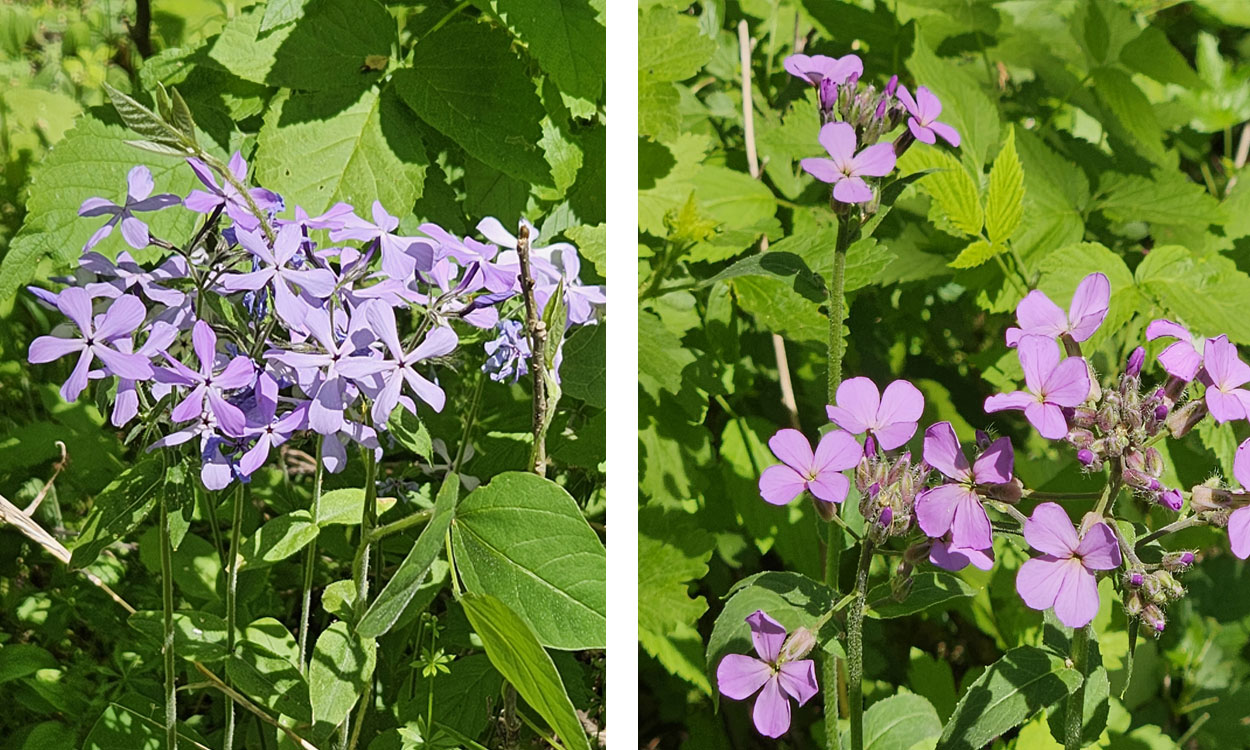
{"type": "Point", "coordinates": [1146, 594]}
{"type": "Point", "coordinates": [872, 112]}
{"type": "Point", "coordinates": [887, 489]}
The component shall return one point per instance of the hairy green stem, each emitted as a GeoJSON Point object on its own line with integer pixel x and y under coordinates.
{"type": "Point", "coordinates": [360, 577]}
{"type": "Point", "coordinates": [1075, 718]}
{"type": "Point", "coordinates": [167, 600]}
{"type": "Point", "coordinates": [1177, 525]}
{"type": "Point", "coordinates": [855, 646]}
{"type": "Point", "coordinates": [232, 588]}
{"type": "Point", "coordinates": [829, 665]}
{"type": "Point", "coordinates": [310, 560]}
{"type": "Point", "coordinates": [837, 306]}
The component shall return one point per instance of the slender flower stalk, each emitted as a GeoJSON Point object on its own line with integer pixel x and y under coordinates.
{"type": "Point", "coordinates": [167, 602]}
{"type": "Point", "coordinates": [232, 590]}
{"type": "Point", "coordinates": [310, 561]}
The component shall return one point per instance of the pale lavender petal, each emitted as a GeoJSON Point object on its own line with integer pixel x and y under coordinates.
{"type": "Point", "coordinates": [1089, 308]}
{"type": "Point", "coordinates": [387, 399]}
{"type": "Point", "coordinates": [909, 103]}
{"type": "Point", "coordinates": [1038, 315]}
{"type": "Point", "coordinates": [1099, 549]}
{"type": "Point", "coordinates": [935, 507]}
{"type": "Point", "coordinates": [830, 487]}
{"type": "Point", "coordinates": [493, 230]}
{"type": "Point", "coordinates": [129, 366]}
{"type": "Point", "coordinates": [944, 555]}
{"type": "Point", "coordinates": [75, 304]}
{"type": "Point", "coordinates": [798, 678]}
{"type": "Point", "coordinates": [798, 66]}
{"type": "Point", "coordinates": [190, 407]}
{"type": "Point", "coordinates": [204, 342]}
{"type": "Point", "coordinates": [1181, 360]}
{"type": "Point", "coordinates": [857, 402]}
{"type": "Point", "coordinates": [139, 183]}
{"type": "Point", "coordinates": [951, 136]}
{"type": "Point", "coordinates": [875, 161]}
{"type": "Point", "coordinates": [203, 172]}
{"type": "Point", "coordinates": [1017, 400]}
{"type": "Point", "coordinates": [836, 451]}
{"type": "Point", "coordinates": [50, 348]}
{"type": "Point", "coordinates": [852, 190]}
{"type": "Point", "coordinates": [256, 456]}
{"type": "Point", "coordinates": [822, 169]}
{"type": "Point", "coordinates": [123, 317]}
{"type": "Point", "coordinates": [928, 105]}
{"type": "Point", "coordinates": [1239, 532]}
{"type": "Point", "coordinates": [901, 402]}
{"type": "Point", "coordinates": [318, 282]}
{"type": "Point", "coordinates": [923, 133]}
{"type": "Point", "coordinates": [772, 710]}
{"type": "Point", "coordinates": [1226, 369]}
{"type": "Point", "coordinates": [1050, 530]}
{"type": "Point", "coordinates": [1162, 327]}
{"type": "Point", "coordinates": [237, 282]}
{"type": "Point", "coordinates": [156, 202]}
{"type": "Point", "coordinates": [126, 404]}
{"type": "Point", "coordinates": [838, 138]}
{"type": "Point", "coordinates": [440, 341]}
{"type": "Point", "coordinates": [893, 435]}
{"type": "Point", "coordinates": [1047, 419]}
{"type": "Point", "coordinates": [1241, 464]}
{"type": "Point", "coordinates": [237, 166]}
{"type": "Point", "coordinates": [360, 368]}
{"type": "Point", "coordinates": [779, 484]}
{"type": "Point", "coordinates": [1069, 383]}
{"type": "Point", "coordinates": [767, 634]}
{"type": "Point", "coordinates": [1076, 604]}
{"type": "Point", "coordinates": [793, 449]}
{"type": "Point", "coordinates": [238, 374]}
{"type": "Point", "coordinates": [427, 391]}
{"type": "Point", "coordinates": [739, 676]}
{"type": "Point", "coordinates": [1039, 580]}
{"type": "Point", "coordinates": [202, 202]}
{"type": "Point", "coordinates": [971, 527]}
{"type": "Point", "coordinates": [229, 417]}
{"type": "Point", "coordinates": [325, 414]}
{"type": "Point", "coordinates": [98, 207]}
{"type": "Point", "coordinates": [1224, 407]}
{"type": "Point", "coordinates": [942, 452]}
{"type": "Point", "coordinates": [77, 381]}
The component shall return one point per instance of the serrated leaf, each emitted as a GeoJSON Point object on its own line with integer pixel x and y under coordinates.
{"type": "Point", "coordinates": [670, 45]}
{"type": "Point", "coordinates": [1205, 292]}
{"type": "Point", "coordinates": [567, 39]}
{"type": "Point", "coordinates": [522, 539]}
{"type": "Point", "coordinates": [672, 552]}
{"type": "Point", "coordinates": [1004, 203]}
{"type": "Point", "coordinates": [976, 253]}
{"type": "Point", "coordinates": [952, 187]}
{"type": "Point", "coordinates": [281, 12]}
{"type": "Point", "coordinates": [1166, 197]}
{"type": "Point", "coordinates": [1132, 111]}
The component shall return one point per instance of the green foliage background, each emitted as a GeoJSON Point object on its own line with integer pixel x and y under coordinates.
{"type": "Point", "coordinates": [444, 111]}
{"type": "Point", "coordinates": [1112, 129]}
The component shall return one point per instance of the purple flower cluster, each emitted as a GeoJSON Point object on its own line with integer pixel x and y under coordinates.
{"type": "Point", "coordinates": [855, 117]}
{"type": "Point", "coordinates": [266, 327]}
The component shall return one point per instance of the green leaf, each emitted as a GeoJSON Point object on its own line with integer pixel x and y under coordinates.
{"type": "Point", "coordinates": [18, 660]}
{"type": "Point", "coordinates": [281, 12]}
{"type": "Point", "coordinates": [394, 598]}
{"type": "Point", "coordinates": [567, 39]}
{"type": "Point", "coordinates": [466, 83]}
{"type": "Point", "coordinates": [1132, 111]}
{"type": "Point", "coordinates": [461, 696]}
{"type": "Point", "coordinates": [144, 122]}
{"type": "Point", "coordinates": [555, 320]}
{"type": "Point", "coordinates": [899, 722]}
{"type": "Point", "coordinates": [1205, 292]}
{"type": "Point", "coordinates": [670, 46]}
{"type": "Point", "coordinates": [1024, 681]}
{"type": "Point", "coordinates": [1168, 198]}
{"type": "Point", "coordinates": [1004, 204]}
{"type": "Point", "coordinates": [775, 264]}
{"type": "Point", "coordinates": [514, 650]}
{"type": "Point", "coordinates": [928, 590]}
{"type": "Point", "coordinates": [180, 497]}
{"type": "Point", "coordinates": [269, 679]}
{"type": "Point", "coordinates": [319, 148]}
{"type": "Point", "coordinates": [411, 433]}
{"type": "Point", "coordinates": [342, 664]}
{"type": "Point", "coordinates": [1153, 54]}
{"type": "Point", "coordinates": [976, 253]}
{"type": "Point", "coordinates": [659, 115]}
{"type": "Point", "coordinates": [197, 564]}
{"type": "Point", "coordinates": [780, 309]}
{"type": "Point", "coordinates": [134, 722]}
{"type": "Point", "coordinates": [583, 374]}
{"type": "Point", "coordinates": [198, 636]}
{"type": "Point", "coordinates": [119, 508]}
{"type": "Point", "coordinates": [663, 357]}
{"type": "Point", "coordinates": [952, 187]}
{"type": "Point", "coordinates": [522, 539]}
{"type": "Point", "coordinates": [346, 507]}
{"type": "Point", "coordinates": [1063, 270]}
{"type": "Point", "coordinates": [672, 552]}
{"type": "Point", "coordinates": [278, 539]}
{"type": "Point", "coordinates": [92, 160]}
{"type": "Point", "coordinates": [592, 245]}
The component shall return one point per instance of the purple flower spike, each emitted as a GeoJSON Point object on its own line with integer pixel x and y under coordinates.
{"type": "Point", "coordinates": [924, 111]}
{"type": "Point", "coordinates": [845, 168]}
{"type": "Point", "coordinates": [98, 338]}
{"type": "Point", "coordinates": [890, 418]}
{"type": "Point", "coordinates": [139, 197]}
{"type": "Point", "coordinates": [1063, 577]}
{"type": "Point", "coordinates": [287, 282]}
{"type": "Point", "coordinates": [1182, 358]}
{"type": "Point", "coordinates": [401, 256]}
{"type": "Point", "coordinates": [1038, 316]}
{"type": "Point", "coordinates": [1224, 373]}
{"type": "Point", "coordinates": [818, 473]}
{"type": "Point", "coordinates": [1239, 521]}
{"type": "Point", "coordinates": [208, 384]}
{"type": "Point", "coordinates": [955, 507]}
{"type": "Point", "coordinates": [817, 68]}
{"type": "Point", "coordinates": [400, 368]}
{"type": "Point", "coordinates": [740, 676]}
{"type": "Point", "coordinates": [236, 205]}
{"type": "Point", "coordinates": [1052, 385]}
{"type": "Point", "coordinates": [947, 556]}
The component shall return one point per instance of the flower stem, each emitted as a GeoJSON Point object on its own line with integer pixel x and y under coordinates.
{"type": "Point", "coordinates": [1177, 525]}
{"type": "Point", "coordinates": [232, 587]}
{"type": "Point", "coordinates": [829, 665]}
{"type": "Point", "coordinates": [167, 600]}
{"type": "Point", "coordinates": [855, 645]}
{"type": "Point", "coordinates": [310, 559]}
{"type": "Point", "coordinates": [837, 306]}
{"type": "Point", "coordinates": [537, 332]}
{"type": "Point", "coordinates": [1039, 495]}
{"type": "Point", "coordinates": [1075, 719]}
{"type": "Point", "coordinates": [360, 577]}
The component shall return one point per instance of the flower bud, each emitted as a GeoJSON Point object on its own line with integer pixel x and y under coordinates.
{"type": "Point", "coordinates": [1153, 461]}
{"type": "Point", "coordinates": [1171, 499]}
{"type": "Point", "coordinates": [891, 86]}
{"type": "Point", "coordinates": [1173, 389]}
{"type": "Point", "coordinates": [886, 517]}
{"type": "Point", "coordinates": [1172, 588]}
{"type": "Point", "coordinates": [870, 445]}
{"type": "Point", "coordinates": [1207, 498]}
{"type": "Point", "coordinates": [982, 437]}
{"type": "Point", "coordinates": [1133, 605]}
{"type": "Point", "coordinates": [1086, 457]}
{"type": "Point", "coordinates": [1009, 492]}
{"type": "Point", "coordinates": [1080, 437]}
{"type": "Point", "coordinates": [1140, 480]}
{"type": "Point", "coordinates": [828, 95]}
{"type": "Point", "coordinates": [1154, 589]}
{"type": "Point", "coordinates": [826, 511]}
{"type": "Point", "coordinates": [1135, 578]}
{"type": "Point", "coordinates": [917, 552]}
{"type": "Point", "coordinates": [1178, 561]}
{"type": "Point", "coordinates": [1083, 416]}
{"type": "Point", "coordinates": [1153, 617]}
{"type": "Point", "coordinates": [1134, 460]}
{"type": "Point", "coordinates": [1161, 412]}
{"type": "Point", "coordinates": [1184, 419]}
{"type": "Point", "coordinates": [1135, 362]}
{"type": "Point", "coordinates": [881, 108]}
{"type": "Point", "coordinates": [798, 645]}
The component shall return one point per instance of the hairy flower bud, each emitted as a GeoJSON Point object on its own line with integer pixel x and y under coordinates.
{"type": "Point", "coordinates": [1083, 416]}
{"type": "Point", "coordinates": [886, 517]}
{"type": "Point", "coordinates": [1086, 456]}
{"type": "Point", "coordinates": [1153, 461]}
{"type": "Point", "coordinates": [983, 440]}
{"type": "Point", "coordinates": [1154, 589]}
{"type": "Point", "coordinates": [1135, 578]}
{"type": "Point", "coordinates": [1178, 561]}
{"type": "Point", "coordinates": [1184, 419]}
{"type": "Point", "coordinates": [828, 98]}
{"type": "Point", "coordinates": [798, 645]}
{"type": "Point", "coordinates": [1080, 437]}
{"type": "Point", "coordinates": [1135, 362]}
{"type": "Point", "coordinates": [826, 511]}
{"type": "Point", "coordinates": [1172, 499]}
{"type": "Point", "coordinates": [1009, 492]}
{"type": "Point", "coordinates": [1132, 605]}
{"type": "Point", "coordinates": [1171, 587]}
{"type": "Point", "coordinates": [1134, 460]}
{"type": "Point", "coordinates": [891, 86]}
{"type": "Point", "coordinates": [1153, 617]}
{"type": "Point", "coordinates": [1207, 498]}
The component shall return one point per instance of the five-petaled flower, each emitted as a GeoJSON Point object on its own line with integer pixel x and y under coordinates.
{"type": "Point", "coordinates": [955, 507]}
{"type": "Point", "coordinates": [924, 110]}
{"type": "Point", "coordinates": [208, 383]}
{"type": "Point", "coordinates": [1037, 315]}
{"type": "Point", "coordinates": [845, 168]}
{"type": "Point", "coordinates": [139, 185]}
{"type": "Point", "coordinates": [1064, 576]}
{"type": "Point", "coordinates": [1052, 384]}
{"type": "Point", "coordinates": [739, 676]}
{"type": "Point", "coordinates": [889, 418]}
{"type": "Point", "coordinates": [275, 269]}
{"type": "Point", "coordinates": [98, 338]}
{"type": "Point", "coordinates": [818, 473]}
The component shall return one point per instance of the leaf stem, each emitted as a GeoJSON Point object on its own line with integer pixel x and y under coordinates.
{"type": "Point", "coordinates": [167, 601]}
{"type": "Point", "coordinates": [232, 587]}
{"type": "Point", "coordinates": [310, 560]}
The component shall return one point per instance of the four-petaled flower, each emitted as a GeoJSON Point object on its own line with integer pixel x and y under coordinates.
{"type": "Point", "coordinates": [889, 418]}
{"type": "Point", "coordinates": [139, 185]}
{"type": "Point", "coordinates": [924, 110]}
{"type": "Point", "coordinates": [847, 169]}
{"type": "Point", "coordinates": [1052, 384]}
{"type": "Point", "coordinates": [739, 676]}
{"type": "Point", "coordinates": [1064, 576]}
{"type": "Point", "coordinates": [1037, 315]}
{"type": "Point", "coordinates": [1224, 373]}
{"type": "Point", "coordinates": [944, 554]}
{"type": "Point", "coordinates": [819, 473]}
{"type": "Point", "coordinates": [98, 338]}
{"type": "Point", "coordinates": [816, 68]}
{"type": "Point", "coordinates": [955, 507]}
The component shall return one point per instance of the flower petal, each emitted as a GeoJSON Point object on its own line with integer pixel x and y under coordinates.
{"type": "Point", "coordinates": [1016, 400]}
{"type": "Point", "coordinates": [948, 134]}
{"type": "Point", "coordinates": [739, 676]}
{"type": "Point", "coordinates": [1180, 359]}
{"type": "Point", "coordinates": [838, 138]}
{"type": "Point", "coordinates": [792, 448]}
{"type": "Point", "coordinates": [1076, 604]}
{"type": "Point", "coordinates": [123, 317]}
{"type": "Point", "coordinates": [1089, 307]}
{"type": "Point", "coordinates": [1050, 530]}
{"type": "Point", "coordinates": [994, 466]}
{"type": "Point", "coordinates": [1047, 419]}
{"type": "Point", "coordinates": [772, 710]}
{"type": "Point", "coordinates": [767, 634]}
{"type": "Point", "coordinates": [1039, 355]}
{"type": "Point", "coordinates": [822, 169]}
{"type": "Point", "coordinates": [1099, 549]}
{"type": "Point", "coordinates": [1039, 580]}
{"type": "Point", "coordinates": [50, 348]}
{"type": "Point", "coordinates": [798, 678]}
{"type": "Point", "coordinates": [1038, 315]}
{"type": "Point", "coordinates": [857, 402]}
{"type": "Point", "coordinates": [935, 507]}
{"type": "Point", "coordinates": [942, 452]}
{"type": "Point", "coordinates": [139, 184]}
{"type": "Point", "coordinates": [836, 451]}
{"type": "Point", "coordinates": [1069, 383]}
{"type": "Point", "coordinates": [779, 484]}
{"type": "Point", "coordinates": [971, 527]}
{"type": "Point", "coordinates": [1239, 532]}
{"type": "Point", "coordinates": [1241, 464]}
{"type": "Point", "coordinates": [852, 190]}
{"type": "Point", "coordinates": [493, 230]}
{"type": "Point", "coordinates": [875, 161]}
{"type": "Point", "coordinates": [829, 486]}
{"type": "Point", "coordinates": [75, 304]}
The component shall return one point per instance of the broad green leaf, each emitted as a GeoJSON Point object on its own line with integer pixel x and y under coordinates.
{"type": "Point", "coordinates": [927, 590]}
{"type": "Point", "coordinates": [658, 109]}
{"type": "Point", "coordinates": [134, 722]}
{"type": "Point", "coordinates": [273, 637]}
{"type": "Point", "coordinates": [17, 660]}
{"type": "Point", "coordinates": [1004, 203]}
{"type": "Point", "coordinates": [342, 664]}
{"type": "Point", "coordinates": [592, 245]}
{"type": "Point", "coordinates": [899, 722]}
{"type": "Point", "coordinates": [1024, 681]}
{"type": "Point", "coordinates": [583, 374]}
{"type": "Point", "coordinates": [952, 187]}
{"type": "Point", "coordinates": [280, 12]}
{"type": "Point", "coordinates": [1132, 111]}
{"type": "Point", "coordinates": [411, 432]}
{"type": "Point", "coordinates": [1221, 441]}
{"type": "Point", "coordinates": [662, 357]}
{"type": "Point", "coordinates": [461, 696]}
{"type": "Point", "coordinates": [93, 160]}
{"type": "Point", "coordinates": [198, 636]}
{"type": "Point", "coordinates": [567, 39]}
{"type": "Point", "coordinates": [278, 539]}
{"type": "Point", "coordinates": [670, 46]}
{"type": "Point", "coordinates": [269, 680]}
{"type": "Point", "coordinates": [346, 507]}
{"type": "Point", "coordinates": [976, 253]}
{"type": "Point", "coordinates": [1153, 54]}
{"type": "Point", "coordinates": [555, 319]}
{"type": "Point", "coordinates": [514, 650]}
{"type": "Point", "coordinates": [394, 598]}
{"type": "Point", "coordinates": [672, 552]}
{"type": "Point", "coordinates": [466, 83]}
{"type": "Point", "coordinates": [179, 494]}
{"type": "Point", "coordinates": [778, 308]}
{"type": "Point", "coordinates": [1168, 198]}
{"type": "Point", "coordinates": [242, 50]}
{"type": "Point", "coordinates": [120, 508]}
{"type": "Point", "coordinates": [319, 148]}
{"type": "Point", "coordinates": [1205, 292]}
{"type": "Point", "coordinates": [197, 564]}
{"type": "Point", "coordinates": [522, 539]}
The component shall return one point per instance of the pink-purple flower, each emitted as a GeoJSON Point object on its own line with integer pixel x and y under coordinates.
{"type": "Point", "coordinates": [944, 554]}
{"type": "Point", "coordinates": [816, 68]}
{"type": "Point", "coordinates": [924, 110]}
{"type": "Point", "coordinates": [1052, 385]}
{"type": "Point", "coordinates": [98, 337]}
{"type": "Point", "coordinates": [802, 470]}
{"type": "Point", "coordinates": [209, 383]}
{"type": "Point", "coordinates": [889, 418]}
{"type": "Point", "coordinates": [1224, 373]}
{"type": "Point", "coordinates": [1239, 520]}
{"type": "Point", "coordinates": [740, 676]}
{"type": "Point", "coordinates": [845, 168]}
{"type": "Point", "coordinates": [1183, 357]}
{"type": "Point", "coordinates": [139, 185]}
{"type": "Point", "coordinates": [225, 195]}
{"type": "Point", "coordinates": [1038, 316]}
{"type": "Point", "coordinates": [1064, 576]}
{"type": "Point", "coordinates": [955, 507]}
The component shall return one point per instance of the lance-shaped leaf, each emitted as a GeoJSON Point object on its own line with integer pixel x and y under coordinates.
{"type": "Point", "coordinates": [120, 508]}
